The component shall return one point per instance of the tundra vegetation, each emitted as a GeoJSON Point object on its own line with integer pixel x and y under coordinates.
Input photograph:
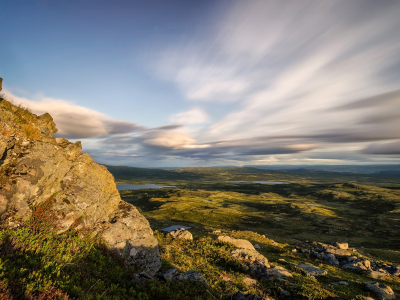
{"type": "Point", "coordinates": [290, 225]}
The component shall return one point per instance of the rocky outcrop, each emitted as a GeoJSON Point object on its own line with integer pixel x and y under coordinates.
{"type": "Point", "coordinates": [35, 167]}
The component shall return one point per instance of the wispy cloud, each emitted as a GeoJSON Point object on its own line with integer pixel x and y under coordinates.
{"type": "Point", "coordinates": [291, 82]}
{"type": "Point", "coordinates": [189, 117]}
{"type": "Point", "coordinates": [74, 121]}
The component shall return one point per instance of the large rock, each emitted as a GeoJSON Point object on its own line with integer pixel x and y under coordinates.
{"type": "Point", "coordinates": [238, 243]}
{"type": "Point", "coordinates": [364, 265]}
{"type": "Point", "coordinates": [338, 252]}
{"type": "Point", "coordinates": [250, 257]}
{"type": "Point", "coordinates": [181, 233]}
{"type": "Point", "coordinates": [36, 167]}
{"type": "Point", "coordinates": [343, 246]}
{"type": "Point", "coordinates": [312, 270]}
{"type": "Point", "coordinates": [381, 290]}
{"type": "Point", "coordinates": [277, 273]}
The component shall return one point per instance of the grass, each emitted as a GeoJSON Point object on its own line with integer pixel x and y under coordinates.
{"type": "Point", "coordinates": [38, 263]}
{"type": "Point", "coordinates": [319, 212]}
{"type": "Point", "coordinates": [21, 116]}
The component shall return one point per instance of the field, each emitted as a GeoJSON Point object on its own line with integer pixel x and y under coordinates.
{"type": "Point", "coordinates": [362, 209]}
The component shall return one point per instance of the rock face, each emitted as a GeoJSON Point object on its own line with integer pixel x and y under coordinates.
{"type": "Point", "coordinates": [36, 167]}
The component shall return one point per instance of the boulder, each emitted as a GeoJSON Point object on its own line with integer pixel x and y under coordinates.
{"type": "Point", "coordinates": [190, 276]}
{"type": "Point", "coordinates": [181, 233]}
{"type": "Point", "coordinates": [277, 273]}
{"type": "Point", "coordinates": [168, 275]}
{"type": "Point", "coordinates": [312, 270]}
{"type": "Point", "coordinates": [250, 257]}
{"type": "Point", "coordinates": [343, 246]}
{"type": "Point", "coordinates": [364, 265]}
{"type": "Point", "coordinates": [36, 168]}
{"type": "Point", "coordinates": [250, 281]}
{"type": "Point", "coordinates": [378, 274]}
{"type": "Point", "coordinates": [338, 252]}
{"type": "Point", "coordinates": [238, 243]}
{"type": "Point", "coordinates": [382, 291]}
{"type": "Point", "coordinates": [331, 259]}
{"type": "Point", "coordinates": [393, 270]}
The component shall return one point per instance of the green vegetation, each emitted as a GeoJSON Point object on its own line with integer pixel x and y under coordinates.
{"type": "Point", "coordinates": [363, 215]}
{"type": "Point", "coordinates": [38, 263]}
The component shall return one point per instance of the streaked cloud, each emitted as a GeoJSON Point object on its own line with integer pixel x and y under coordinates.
{"type": "Point", "coordinates": [74, 121]}
{"type": "Point", "coordinates": [269, 82]}
{"type": "Point", "coordinates": [193, 116]}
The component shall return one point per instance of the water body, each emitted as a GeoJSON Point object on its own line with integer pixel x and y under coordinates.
{"type": "Point", "coordinates": [173, 227]}
{"type": "Point", "coordinates": [261, 182]}
{"type": "Point", "coordinates": [121, 187]}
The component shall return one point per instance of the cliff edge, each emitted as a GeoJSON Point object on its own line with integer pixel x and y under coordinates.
{"type": "Point", "coordinates": [35, 166]}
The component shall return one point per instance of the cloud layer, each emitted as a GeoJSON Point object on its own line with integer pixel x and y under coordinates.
{"type": "Point", "coordinates": [270, 81]}
{"type": "Point", "coordinates": [74, 121]}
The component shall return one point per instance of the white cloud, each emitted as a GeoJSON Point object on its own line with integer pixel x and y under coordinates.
{"type": "Point", "coordinates": [74, 121]}
{"type": "Point", "coordinates": [189, 117]}
{"type": "Point", "coordinates": [169, 140]}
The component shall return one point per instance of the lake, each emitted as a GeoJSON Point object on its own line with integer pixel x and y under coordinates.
{"type": "Point", "coordinates": [261, 182]}
{"type": "Point", "coordinates": [121, 187]}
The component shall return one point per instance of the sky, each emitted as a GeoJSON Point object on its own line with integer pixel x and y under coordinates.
{"type": "Point", "coordinates": [177, 83]}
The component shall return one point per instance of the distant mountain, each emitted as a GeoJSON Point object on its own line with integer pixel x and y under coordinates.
{"type": "Point", "coordinates": [360, 169]}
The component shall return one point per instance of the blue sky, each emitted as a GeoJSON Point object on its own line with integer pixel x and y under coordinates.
{"type": "Point", "coordinates": [203, 83]}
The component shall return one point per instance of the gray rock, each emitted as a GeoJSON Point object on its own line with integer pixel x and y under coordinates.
{"type": "Point", "coordinates": [341, 245]}
{"type": "Point", "coordinates": [190, 276]}
{"type": "Point", "coordinates": [238, 296]}
{"type": "Point", "coordinates": [141, 276]}
{"type": "Point", "coordinates": [364, 265]}
{"type": "Point", "coordinates": [344, 283]}
{"type": "Point", "coordinates": [393, 270]}
{"type": "Point", "coordinates": [382, 291]}
{"type": "Point", "coordinates": [181, 233]}
{"type": "Point", "coordinates": [257, 246]}
{"type": "Point", "coordinates": [331, 259]}
{"type": "Point", "coordinates": [378, 274]}
{"type": "Point", "coordinates": [250, 257]}
{"type": "Point", "coordinates": [312, 270]}
{"type": "Point", "coordinates": [168, 275]}
{"type": "Point", "coordinates": [277, 273]}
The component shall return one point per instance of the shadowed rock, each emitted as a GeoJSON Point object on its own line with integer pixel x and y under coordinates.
{"type": "Point", "coordinates": [36, 167]}
{"type": "Point", "coordinates": [312, 270]}
{"type": "Point", "coordinates": [364, 265]}
{"type": "Point", "coordinates": [381, 290]}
